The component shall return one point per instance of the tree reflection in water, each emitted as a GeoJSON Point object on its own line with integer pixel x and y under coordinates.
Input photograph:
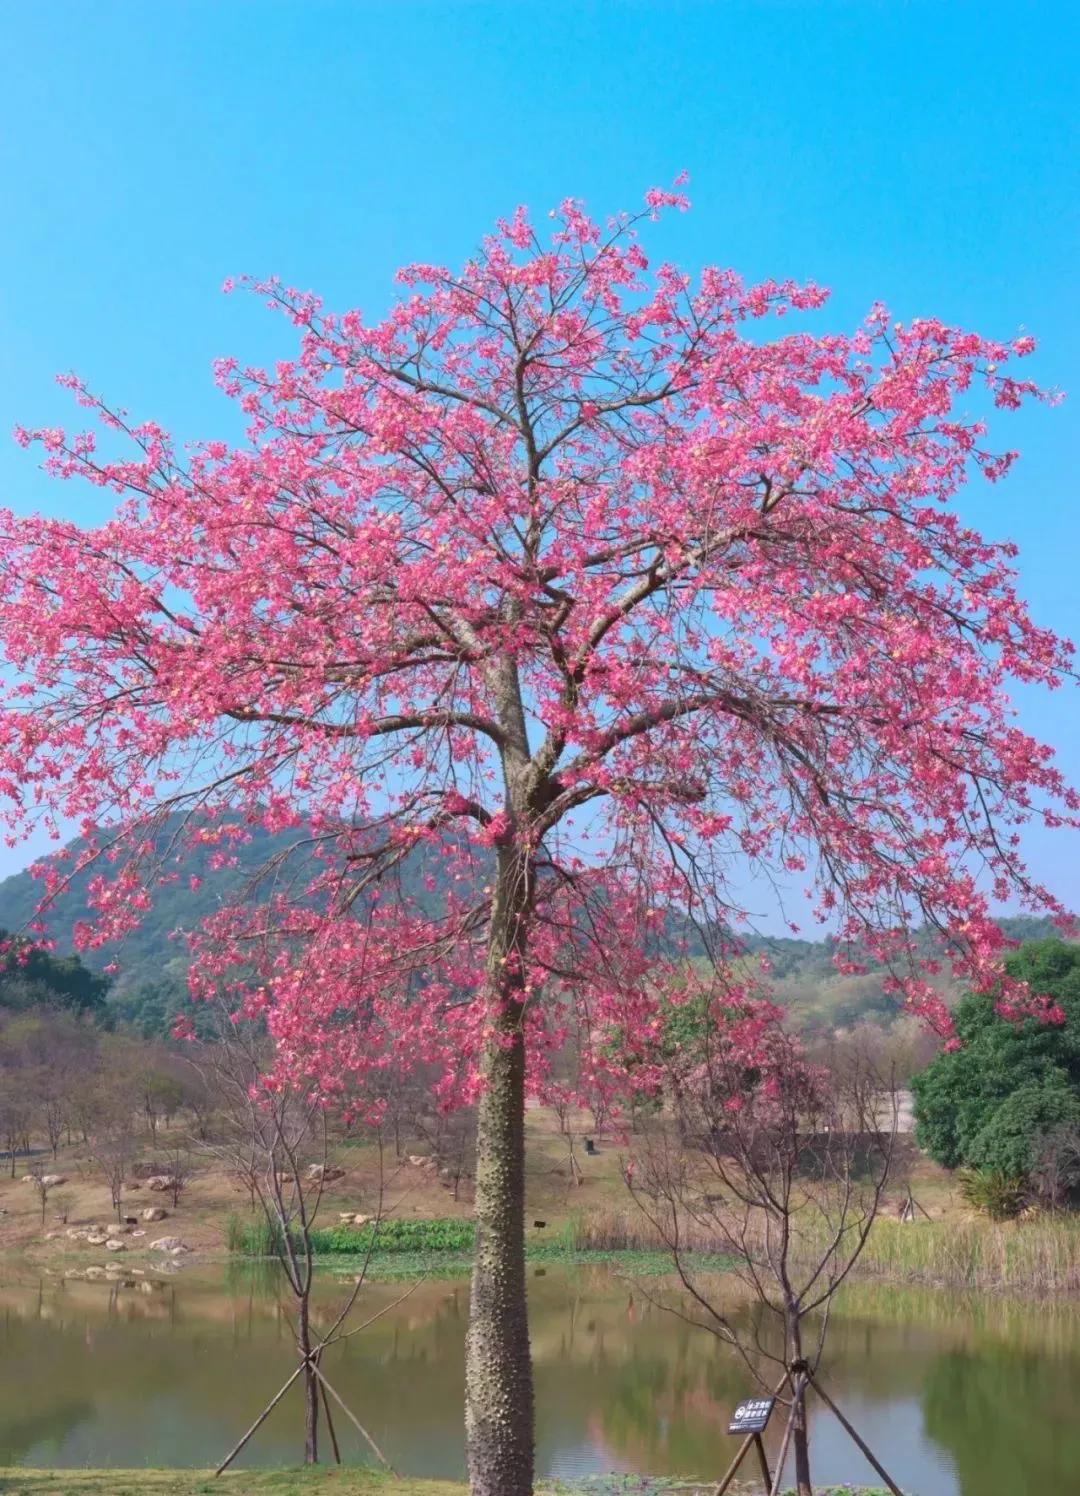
{"type": "Point", "coordinates": [959, 1398]}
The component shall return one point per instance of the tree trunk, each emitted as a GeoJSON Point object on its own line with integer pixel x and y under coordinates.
{"type": "Point", "coordinates": [311, 1389]}
{"type": "Point", "coordinates": [498, 1367]}
{"type": "Point", "coordinates": [800, 1430]}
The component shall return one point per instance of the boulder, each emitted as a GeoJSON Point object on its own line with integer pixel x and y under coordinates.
{"type": "Point", "coordinates": [94, 1272]}
{"type": "Point", "coordinates": [96, 1238]}
{"type": "Point", "coordinates": [323, 1173]}
{"type": "Point", "coordinates": [160, 1182]}
{"type": "Point", "coordinates": [114, 1244]}
{"type": "Point", "coordinates": [48, 1180]}
{"type": "Point", "coordinates": [169, 1244]}
{"type": "Point", "coordinates": [154, 1213]}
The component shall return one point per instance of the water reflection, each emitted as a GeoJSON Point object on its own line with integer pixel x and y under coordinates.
{"type": "Point", "coordinates": [957, 1398]}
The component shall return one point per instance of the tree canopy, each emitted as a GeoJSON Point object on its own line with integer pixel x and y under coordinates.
{"type": "Point", "coordinates": [569, 570]}
{"type": "Point", "coordinates": [1012, 1081]}
{"type": "Point", "coordinates": [31, 977]}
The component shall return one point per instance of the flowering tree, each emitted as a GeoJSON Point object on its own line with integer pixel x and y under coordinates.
{"type": "Point", "coordinates": [552, 599]}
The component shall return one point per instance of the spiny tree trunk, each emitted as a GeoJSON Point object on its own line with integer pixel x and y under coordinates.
{"type": "Point", "coordinates": [498, 1367]}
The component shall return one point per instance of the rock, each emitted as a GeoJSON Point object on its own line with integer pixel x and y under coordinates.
{"type": "Point", "coordinates": [114, 1244]}
{"type": "Point", "coordinates": [52, 1235]}
{"type": "Point", "coordinates": [323, 1173]}
{"type": "Point", "coordinates": [94, 1272]}
{"type": "Point", "coordinates": [138, 1233]}
{"type": "Point", "coordinates": [160, 1182]}
{"type": "Point", "coordinates": [154, 1213]}
{"type": "Point", "coordinates": [28, 1179]}
{"type": "Point", "coordinates": [48, 1180]}
{"type": "Point", "coordinates": [96, 1238]}
{"type": "Point", "coordinates": [169, 1244]}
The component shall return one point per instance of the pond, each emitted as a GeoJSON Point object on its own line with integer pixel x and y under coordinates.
{"type": "Point", "coordinates": [958, 1397]}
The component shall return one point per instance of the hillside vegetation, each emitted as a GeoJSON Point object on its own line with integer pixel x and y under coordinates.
{"type": "Point", "coordinates": [149, 988]}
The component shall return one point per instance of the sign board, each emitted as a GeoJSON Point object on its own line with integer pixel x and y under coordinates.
{"type": "Point", "coordinates": [750, 1417]}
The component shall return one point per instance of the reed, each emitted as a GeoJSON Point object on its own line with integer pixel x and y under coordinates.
{"type": "Point", "coordinates": [629, 1231]}
{"type": "Point", "coordinates": [1020, 1257]}
{"type": "Point", "coordinates": [1038, 1257]}
{"type": "Point", "coordinates": [1041, 1256]}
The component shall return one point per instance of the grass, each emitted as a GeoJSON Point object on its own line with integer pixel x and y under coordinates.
{"type": "Point", "coordinates": [261, 1239]}
{"type": "Point", "coordinates": [345, 1481]}
{"type": "Point", "coordinates": [1039, 1257]}
{"type": "Point", "coordinates": [406, 1248]}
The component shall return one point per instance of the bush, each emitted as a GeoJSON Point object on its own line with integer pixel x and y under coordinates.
{"type": "Point", "coordinates": [991, 1103]}
{"type": "Point", "coordinates": [260, 1239]}
{"type": "Point", "coordinates": [999, 1195]}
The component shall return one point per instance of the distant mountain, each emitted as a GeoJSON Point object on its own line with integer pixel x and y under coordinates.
{"type": "Point", "coordinates": [152, 947]}
{"type": "Point", "coordinates": [152, 961]}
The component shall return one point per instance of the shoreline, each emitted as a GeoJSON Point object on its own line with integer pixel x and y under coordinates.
{"type": "Point", "coordinates": [345, 1481]}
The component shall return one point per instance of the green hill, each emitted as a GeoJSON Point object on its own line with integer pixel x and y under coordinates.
{"type": "Point", "coordinates": [149, 985]}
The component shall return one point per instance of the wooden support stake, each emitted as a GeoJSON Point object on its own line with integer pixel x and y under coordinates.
{"type": "Point", "coordinates": [329, 1420]}
{"type": "Point", "coordinates": [730, 1472]}
{"type": "Point", "coordinates": [763, 1461]}
{"type": "Point", "coordinates": [796, 1387]}
{"type": "Point", "coordinates": [865, 1448]}
{"type": "Point", "coordinates": [263, 1416]}
{"type": "Point", "coordinates": [355, 1421]}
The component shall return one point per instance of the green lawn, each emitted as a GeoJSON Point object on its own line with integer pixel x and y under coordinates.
{"type": "Point", "coordinates": [343, 1482]}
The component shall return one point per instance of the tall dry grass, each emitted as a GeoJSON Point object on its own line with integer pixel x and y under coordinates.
{"type": "Point", "coordinates": [1040, 1256]}
{"type": "Point", "coordinates": [1022, 1257]}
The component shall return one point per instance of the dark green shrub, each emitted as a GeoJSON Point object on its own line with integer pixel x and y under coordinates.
{"type": "Point", "coordinates": [991, 1103]}
{"type": "Point", "coordinates": [999, 1195]}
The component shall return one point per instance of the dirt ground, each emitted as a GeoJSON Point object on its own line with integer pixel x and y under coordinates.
{"type": "Point", "coordinates": [558, 1190]}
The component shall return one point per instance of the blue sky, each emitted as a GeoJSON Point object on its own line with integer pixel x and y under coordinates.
{"type": "Point", "coordinates": [921, 154]}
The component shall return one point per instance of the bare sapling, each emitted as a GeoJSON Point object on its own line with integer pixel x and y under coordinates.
{"type": "Point", "coordinates": [279, 1139]}
{"type": "Point", "coordinates": [781, 1166]}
